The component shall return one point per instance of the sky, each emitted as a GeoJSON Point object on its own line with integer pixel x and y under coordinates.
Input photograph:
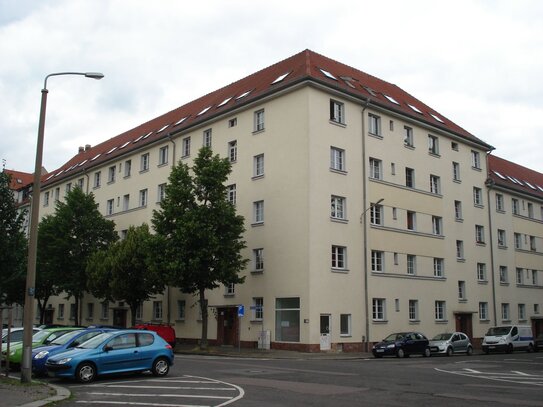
{"type": "Point", "coordinates": [479, 63]}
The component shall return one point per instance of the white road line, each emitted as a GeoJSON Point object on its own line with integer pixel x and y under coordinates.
{"type": "Point", "coordinates": [472, 370]}
{"type": "Point", "coordinates": [238, 397]}
{"type": "Point", "coordinates": [170, 387]}
{"type": "Point", "coordinates": [520, 373]}
{"type": "Point", "coordinates": [188, 396]}
{"type": "Point", "coordinates": [131, 403]}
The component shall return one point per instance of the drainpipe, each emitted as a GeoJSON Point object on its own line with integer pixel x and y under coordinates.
{"type": "Point", "coordinates": [168, 288]}
{"type": "Point", "coordinates": [364, 225]}
{"type": "Point", "coordinates": [489, 183]}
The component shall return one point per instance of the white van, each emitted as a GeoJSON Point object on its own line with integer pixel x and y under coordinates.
{"type": "Point", "coordinates": [508, 338]}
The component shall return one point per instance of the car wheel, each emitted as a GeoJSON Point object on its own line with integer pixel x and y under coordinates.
{"type": "Point", "coordinates": [530, 348]}
{"type": "Point", "coordinates": [469, 352]}
{"type": "Point", "coordinates": [161, 367]}
{"type": "Point", "coordinates": [85, 372]}
{"type": "Point", "coordinates": [400, 353]}
{"type": "Point", "coordinates": [487, 351]}
{"type": "Point", "coordinates": [509, 348]}
{"type": "Point", "coordinates": [377, 356]}
{"type": "Point", "coordinates": [427, 353]}
{"type": "Point", "coordinates": [449, 351]}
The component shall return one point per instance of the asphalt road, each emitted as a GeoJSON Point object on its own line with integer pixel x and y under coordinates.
{"type": "Point", "coordinates": [479, 380]}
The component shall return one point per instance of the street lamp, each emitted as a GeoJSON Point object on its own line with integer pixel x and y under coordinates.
{"type": "Point", "coordinates": [26, 366]}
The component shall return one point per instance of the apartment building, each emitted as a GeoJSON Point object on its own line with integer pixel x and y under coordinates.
{"type": "Point", "coordinates": [366, 211]}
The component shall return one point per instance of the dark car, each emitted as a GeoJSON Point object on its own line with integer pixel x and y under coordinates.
{"type": "Point", "coordinates": [538, 343]}
{"type": "Point", "coordinates": [402, 344]}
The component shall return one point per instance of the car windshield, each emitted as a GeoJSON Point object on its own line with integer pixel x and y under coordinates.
{"type": "Point", "coordinates": [39, 336]}
{"type": "Point", "coordinates": [61, 340]}
{"type": "Point", "coordinates": [93, 343]}
{"type": "Point", "coordinates": [498, 330]}
{"type": "Point", "coordinates": [394, 337]}
{"type": "Point", "coordinates": [442, 337]}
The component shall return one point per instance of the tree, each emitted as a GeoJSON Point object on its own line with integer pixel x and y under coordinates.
{"type": "Point", "coordinates": [13, 246]}
{"type": "Point", "coordinates": [125, 270]}
{"type": "Point", "coordinates": [78, 229]}
{"type": "Point", "coordinates": [198, 232]}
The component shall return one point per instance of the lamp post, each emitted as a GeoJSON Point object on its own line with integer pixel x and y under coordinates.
{"type": "Point", "coordinates": [26, 366]}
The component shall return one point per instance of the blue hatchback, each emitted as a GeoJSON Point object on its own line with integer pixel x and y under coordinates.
{"type": "Point", "coordinates": [113, 352]}
{"type": "Point", "coordinates": [62, 343]}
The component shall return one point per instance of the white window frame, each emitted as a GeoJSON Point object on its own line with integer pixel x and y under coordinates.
{"type": "Point", "coordinates": [338, 207]}
{"type": "Point", "coordinates": [413, 310]}
{"type": "Point", "coordinates": [479, 234]}
{"type": "Point", "coordinates": [97, 179]}
{"type": "Point", "coordinates": [185, 147]}
{"type": "Point", "coordinates": [258, 212]}
{"type": "Point", "coordinates": [258, 310]}
{"type": "Point", "coordinates": [437, 225]}
{"type": "Point", "coordinates": [127, 168]}
{"type": "Point", "coordinates": [157, 311]}
{"type": "Point", "coordinates": [438, 265]}
{"type": "Point", "coordinates": [411, 264]}
{"type": "Point", "coordinates": [409, 177]}
{"type": "Point", "coordinates": [258, 259]}
{"type": "Point", "coordinates": [376, 215]}
{"type": "Point", "coordinates": [258, 166]}
{"type": "Point", "coordinates": [163, 155]}
{"type": "Point", "coordinates": [337, 159]}
{"type": "Point", "coordinates": [462, 290]}
{"type": "Point", "coordinates": [459, 250]}
{"type": "Point", "coordinates": [374, 124]}
{"type": "Point", "coordinates": [207, 138]}
{"type": "Point", "coordinates": [161, 192]}
{"type": "Point", "coordinates": [505, 311]}
{"type": "Point", "coordinates": [339, 257]}
{"type": "Point", "coordinates": [408, 137]}
{"type": "Point", "coordinates": [522, 312]}
{"type": "Point", "coordinates": [378, 309]}
{"type": "Point", "coordinates": [345, 325]}
{"type": "Point", "coordinates": [504, 277]}
{"type": "Point", "coordinates": [126, 202]}
{"type": "Point", "coordinates": [481, 272]}
{"type": "Point", "coordinates": [233, 151]}
{"type": "Point", "coordinates": [111, 171]}
{"type": "Point", "coordinates": [411, 221]}
{"type": "Point", "coordinates": [435, 184]}
{"type": "Point", "coordinates": [500, 206]}
{"type": "Point", "coordinates": [181, 310]}
{"type": "Point", "coordinates": [144, 162]}
{"type": "Point", "coordinates": [110, 204]}
{"type": "Point", "coordinates": [231, 193]}
{"type": "Point", "coordinates": [477, 196]}
{"type": "Point", "coordinates": [475, 159]}
{"type": "Point", "coordinates": [433, 145]}
{"type": "Point", "coordinates": [502, 238]}
{"type": "Point", "coordinates": [143, 195]}
{"type": "Point", "coordinates": [456, 171]}
{"type": "Point", "coordinates": [440, 310]}
{"type": "Point", "coordinates": [376, 168]}
{"type": "Point", "coordinates": [377, 261]}
{"type": "Point", "coordinates": [483, 311]}
{"type": "Point", "coordinates": [259, 121]}
{"type": "Point", "coordinates": [337, 112]}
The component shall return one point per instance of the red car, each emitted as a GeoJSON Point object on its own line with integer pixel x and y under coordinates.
{"type": "Point", "coordinates": [165, 331]}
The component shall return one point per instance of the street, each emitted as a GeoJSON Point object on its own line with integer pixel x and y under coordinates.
{"type": "Point", "coordinates": [479, 380]}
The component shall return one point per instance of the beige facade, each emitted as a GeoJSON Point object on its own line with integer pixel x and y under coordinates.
{"type": "Point", "coordinates": [360, 221]}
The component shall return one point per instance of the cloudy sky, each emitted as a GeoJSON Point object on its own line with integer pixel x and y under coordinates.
{"type": "Point", "coordinates": [479, 63]}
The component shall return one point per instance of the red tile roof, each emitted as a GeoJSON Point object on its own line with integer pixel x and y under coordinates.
{"type": "Point", "coordinates": [515, 177]}
{"type": "Point", "coordinates": [304, 66]}
{"type": "Point", "coordinates": [19, 179]}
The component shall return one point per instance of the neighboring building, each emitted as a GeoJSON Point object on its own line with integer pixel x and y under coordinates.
{"type": "Point", "coordinates": [366, 211]}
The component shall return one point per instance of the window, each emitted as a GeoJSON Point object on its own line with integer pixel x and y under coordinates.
{"type": "Point", "coordinates": [438, 267]}
{"type": "Point", "coordinates": [456, 171]}
{"type": "Point", "coordinates": [185, 147]}
{"type": "Point", "coordinates": [337, 209]}
{"type": "Point", "coordinates": [233, 122]}
{"type": "Point", "coordinates": [126, 202]}
{"type": "Point", "coordinates": [410, 177]}
{"type": "Point", "coordinates": [57, 194]}
{"type": "Point", "coordinates": [461, 290]}
{"type": "Point", "coordinates": [377, 261]}
{"type": "Point", "coordinates": [500, 207]}
{"type": "Point", "coordinates": [483, 311]}
{"type": "Point", "coordinates": [411, 220]}
{"type": "Point", "coordinates": [337, 111]}
{"type": "Point", "coordinates": [408, 136]}
{"type": "Point", "coordinates": [477, 196]}
{"type": "Point", "coordinates": [144, 162]}
{"type": "Point", "coordinates": [532, 244]}
{"type": "Point", "coordinates": [376, 214]}
{"type": "Point", "coordinates": [161, 192]}
{"type": "Point", "coordinates": [287, 319]}
{"type": "Point", "coordinates": [104, 310]}
{"type": "Point", "coordinates": [90, 310]}
{"type": "Point", "coordinates": [534, 277]}
{"type": "Point", "coordinates": [411, 264]}
{"type": "Point", "coordinates": [437, 225]}
{"type": "Point", "coordinates": [379, 309]}
{"type": "Point", "coordinates": [337, 159]}
{"type": "Point", "coordinates": [520, 276]}
{"type": "Point", "coordinates": [258, 165]}
{"type": "Point", "coordinates": [207, 138]}
{"type": "Point", "coordinates": [374, 124]}
{"type": "Point", "coordinates": [72, 311]}
{"type": "Point", "coordinates": [457, 210]}
{"type": "Point", "coordinates": [479, 234]}
{"type": "Point", "coordinates": [413, 310]}
{"type": "Point", "coordinates": [522, 312]}
{"type": "Point", "coordinates": [481, 272]}
{"type": "Point", "coordinates": [143, 197]}
{"type": "Point", "coordinates": [454, 145]}
{"type": "Point", "coordinates": [505, 312]}
{"type": "Point", "coordinates": [515, 206]}
{"type": "Point", "coordinates": [258, 259]}
{"type": "Point", "coordinates": [46, 199]}
{"type": "Point", "coordinates": [181, 309]}
{"type": "Point", "coordinates": [109, 207]}
{"type": "Point", "coordinates": [230, 289]}
{"type": "Point", "coordinates": [233, 151]}
{"type": "Point", "coordinates": [258, 211]}
{"type": "Point", "coordinates": [375, 168]}
{"type": "Point", "coordinates": [259, 120]}
{"type": "Point", "coordinates": [127, 168]}
{"type": "Point", "coordinates": [536, 308]}
{"type": "Point", "coordinates": [97, 179]}
{"type": "Point", "coordinates": [339, 257]}
{"type": "Point", "coordinates": [258, 307]}
{"type": "Point", "coordinates": [504, 279]}
{"type": "Point", "coordinates": [440, 311]}
{"type": "Point", "coordinates": [345, 324]}
{"type": "Point", "coordinates": [530, 210]}
{"type": "Point", "coordinates": [157, 310]}
{"type": "Point", "coordinates": [139, 312]}
{"type": "Point", "coordinates": [459, 250]}
{"type": "Point", "coordinates": [80, 183]}
{"type": "Point", "coordinates": [518, 241]}
{"type": "Point", "coordinates": [501, 238]}
{"type": "Point", "coordinates": [111, 174]}
{"type": "Point", "coordinates": [433, 145]}
{"type": "Point", "coordinates": [163, 155]}
{"type": "Point", "coordinates": [435, 184]}
{"type": "Point", "coordinates": [475, 160]}
{"type": "Point", "coordinates": [231, 191]}
{"type": "Point", "coordinates": [60, 311]}
{"type": "Point", "coordinates": [68, 187]}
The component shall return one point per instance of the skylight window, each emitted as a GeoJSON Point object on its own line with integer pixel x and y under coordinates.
{"type": "Point", "coordinates": [162, 129]}
{"type": "Point", "coordinates": [530, 185]}
{"type": "Point", "coordinates": [415, 108]}
{"type": "Point", "coordinates": [49, 177]}
{"type": "Point", "coordinates": [243, 95]}
{"type": "Point", "coordinates": [203, 111]}
{"type": "Point", "coordinates": [499, 175]}
{"type": "Point", "coordinates": [180, 121]}
{"type": "Point", "coordinates": [58, 173]}
{"type": "Point", "coordinates": [391, 99]}
{"type": "Point", "coordinates": [328, 74]}
{"type": "Point", "coordinates": [138, 139]}
{"type": "Point", "coordinates": [148, 134]}
{"type": "Point", "coordinates": [437, 118]}
{"type": "Point", "coordinates": [112, 150]}
{"type": "Point", "coordinates": [370, 91]}
{"type": "Point", "coordinates": [540, 188]}
{"type": "Point", "coordinates": [225, 101]}
{"type": "Point", "coordinates": [96, 156]}
{"type": "Point", "coordinates": [280, 78]}
{"type": "Point", "coordinates": [82, 162]}
{"type": "Point", "coordinates": [124, 145]}
{"type": "Point", "coordinates": [349, 83]}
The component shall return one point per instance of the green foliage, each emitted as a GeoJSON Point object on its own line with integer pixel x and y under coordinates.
{"type": "Point", "coordinates": [125, 271]}
{"type": "Point", "coordinates": [13, 246]}
{"type": "Point", "coordinates": [199, 234]}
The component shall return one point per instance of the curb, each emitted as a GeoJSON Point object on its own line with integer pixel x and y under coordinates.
{"type": "Point", "coordinates": [62, 393]}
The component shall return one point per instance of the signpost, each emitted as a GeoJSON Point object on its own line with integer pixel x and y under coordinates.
{"type": "Point", "coordinates": [241, 313]}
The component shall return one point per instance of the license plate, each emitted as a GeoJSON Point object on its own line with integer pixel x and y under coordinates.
{"type": "Point", "coordinates": [491, 347]}
{"type": "Point", "coordinates": [50, 374]}
{"type": "Point", "coordinates": [380, 350]}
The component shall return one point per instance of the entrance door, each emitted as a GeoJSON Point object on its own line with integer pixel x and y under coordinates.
{"type": "Point", "coordinates": [119, 318]}
{"type": "Point", "coordinates": [464, 324]}
{"type": "Point", "coordinates": [48, 316]}
{"type": "Point", "coordinates": [228, 326]}
{"type": "Point", "coordinates": [326, 342]}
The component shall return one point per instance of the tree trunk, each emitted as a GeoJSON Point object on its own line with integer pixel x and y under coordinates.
{"type": "Point", "coordinates": [203, 308]}
{"type": "Point", "coordinates": [133, 310]}
{"type": "Point", "coordinates": [77, 300]}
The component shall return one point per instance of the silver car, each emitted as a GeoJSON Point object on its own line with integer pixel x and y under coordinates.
{"type": "Point", "coordinates": [450, 343]}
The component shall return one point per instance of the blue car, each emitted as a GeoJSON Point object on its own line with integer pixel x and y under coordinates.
{"type": "Point", "coordinates": [62, 343]}
{"type": "Point", "coordinates": [130, 350]}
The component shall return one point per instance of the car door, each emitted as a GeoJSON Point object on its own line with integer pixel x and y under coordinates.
{"type": "Point", "coordinates": [119, 354]}
{"type": "Point", "coordinates": [411, 343]}
{"type": "Point", "coordinates": [146, 350]}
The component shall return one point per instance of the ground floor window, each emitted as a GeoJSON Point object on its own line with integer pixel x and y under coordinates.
{"type": "Point", "coordinates": [345, 324]}
{"type": "Point", "coordinates": [287, 319]}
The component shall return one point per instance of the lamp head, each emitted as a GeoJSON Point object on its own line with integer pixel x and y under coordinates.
{"type": "Point", "coordinates": [94, 75]}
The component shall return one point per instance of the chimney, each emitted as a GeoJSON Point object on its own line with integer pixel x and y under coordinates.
{"type": "Point", "coordinates": [87, 147]}
{"type": "Point", "coordinates": [81, 149]}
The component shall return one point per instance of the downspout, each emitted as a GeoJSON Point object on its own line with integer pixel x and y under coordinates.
{"type": "Point", "coordinates": [489, 183]}
{"type": "Point", "coordinates": [365, 232]}
{"type": "Point", "coordinates": [168, 288]}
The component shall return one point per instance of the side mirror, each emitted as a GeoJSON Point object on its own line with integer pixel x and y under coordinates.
{"type": "Point", "coordinates": [107, 348]}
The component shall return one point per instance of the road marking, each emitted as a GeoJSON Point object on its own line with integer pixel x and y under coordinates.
{"type": "Point", "coordinates": [472, 370]}
{"type": "Point", "coordinates": [196, 396]}
{"type": "Point", "coordinates": [511, 377]}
